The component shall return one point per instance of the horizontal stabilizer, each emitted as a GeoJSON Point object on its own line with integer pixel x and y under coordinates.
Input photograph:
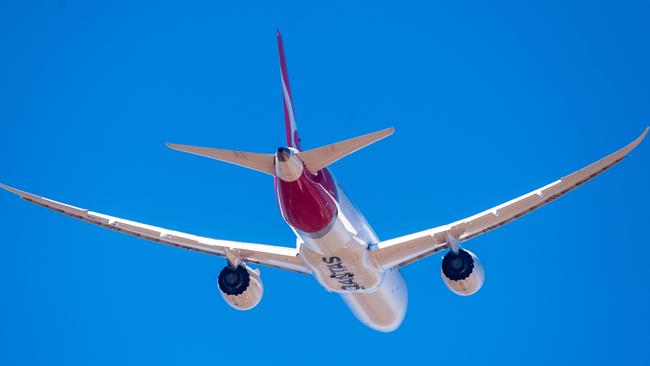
{"type": "Point", "coordinates": [260, 162]}
{"type": "Point", "coordinates": [317, 159]}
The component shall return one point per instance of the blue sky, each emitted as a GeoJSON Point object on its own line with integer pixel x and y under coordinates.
{"type": "Point", "coordinates": [489, 102]}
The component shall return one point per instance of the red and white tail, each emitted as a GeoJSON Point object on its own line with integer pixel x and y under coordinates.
{"type": "Point", "coordinates": [293, 140]}
{"type": "Point", "coordinates": [315, 159]}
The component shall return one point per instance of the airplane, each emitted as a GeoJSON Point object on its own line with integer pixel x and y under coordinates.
{"type": "Point", "coordinates": [334, 242]}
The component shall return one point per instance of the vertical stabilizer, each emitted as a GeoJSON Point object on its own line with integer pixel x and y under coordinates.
{"type": "Point", "coordinates": [293, 140]}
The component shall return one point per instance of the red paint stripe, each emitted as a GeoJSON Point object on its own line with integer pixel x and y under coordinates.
{"type": "Point", "coordinates": [285, 79]}
{"type": "Point", "coordinates": [287, 123]}
{"type": "Point", "coordinates": [283, 63]}
{"type": "Point", "coordinates": [308, 204]}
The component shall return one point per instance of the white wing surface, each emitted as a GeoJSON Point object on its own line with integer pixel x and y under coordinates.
{"type": "Point", "coordinates": [400, 251]}
{"type": "Point", "coordinates": [268, 255]}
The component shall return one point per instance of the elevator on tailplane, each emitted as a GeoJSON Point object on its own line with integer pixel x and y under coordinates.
{"type": "Point", "coordinates": [335, 243]}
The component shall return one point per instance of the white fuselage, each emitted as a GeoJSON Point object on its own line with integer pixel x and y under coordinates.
{"type": "Point", "coordinates": [335, 243]}
{"type": "Point", "coordinates": [341, 262]}
{"type": "Point", "coordinates": [335, 240]}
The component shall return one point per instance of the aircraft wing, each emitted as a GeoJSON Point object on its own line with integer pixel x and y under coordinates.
{"type": "Point", "coordinates": [268, 255]}
{"type": "Point", "coordinates": [398, 252]}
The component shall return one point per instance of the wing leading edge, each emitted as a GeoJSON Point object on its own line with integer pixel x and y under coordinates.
{"type": "Point", "coordinates": [268, 255]}
{"type": "Point", "coordinates": [398, 252]}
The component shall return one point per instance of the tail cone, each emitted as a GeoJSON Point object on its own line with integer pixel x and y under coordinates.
{"type": "Point", "coordinates": [288, 167]}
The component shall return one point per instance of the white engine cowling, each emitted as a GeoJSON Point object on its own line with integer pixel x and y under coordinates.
{"type": "Point", "coordinates": [462, 272]}
{"type": "Point", "coordinates": [241, 287]}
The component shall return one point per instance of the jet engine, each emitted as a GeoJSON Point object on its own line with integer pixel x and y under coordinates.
{"type": "Point", "coordinates": [240, 286]}
{"type": "Point", "coordinates": [462, 272]}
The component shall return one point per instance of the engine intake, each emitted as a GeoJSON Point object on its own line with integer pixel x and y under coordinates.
{"type": "Point", "coordinates": [234, 281]}
{"type": "Point", "coordinates": [241, 287]}
{"type": "Point", "coordinates": [462, 272]}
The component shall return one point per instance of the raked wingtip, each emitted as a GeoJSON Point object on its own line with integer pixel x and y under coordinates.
{"type": "Point", "coordinates": [13, 190]}
{"type": "Point", "coordinates": [172, 146]}
{"type": "Point", "coordinates": [638, 140]}
{"type": "Point", "coordinates": [632, 145]}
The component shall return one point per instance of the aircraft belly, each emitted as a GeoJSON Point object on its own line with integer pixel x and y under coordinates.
{"type": "Point", "coordinates": [343, 271]}
{"type": "Point", "coordinates": [340, 259]}
{"type": "Point", "coordinates": [383, 309]}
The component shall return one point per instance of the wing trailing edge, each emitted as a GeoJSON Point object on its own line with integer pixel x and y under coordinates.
{"type": "Point", "coordinates": [269, 255]}
{"type": "Point", "coordinates": [398, 252]}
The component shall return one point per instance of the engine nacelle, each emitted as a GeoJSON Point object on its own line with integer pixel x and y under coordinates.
{"type": "Point", "coordinates": [241, 287]}
{"type": "Point", "coordinates": [462, 272]}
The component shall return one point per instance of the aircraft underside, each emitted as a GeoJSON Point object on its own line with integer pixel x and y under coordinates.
{"type": "Point", "coordinates": [341, 262]}
{"type": "Point", "coordinates": [335, 243]}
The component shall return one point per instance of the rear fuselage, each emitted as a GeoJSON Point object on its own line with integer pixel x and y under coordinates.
{"type": "Point", "coordinates": [334, 241]}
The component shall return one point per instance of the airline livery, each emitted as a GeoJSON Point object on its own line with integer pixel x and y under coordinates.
{"type": "Point", "coordinates": [335, 243]}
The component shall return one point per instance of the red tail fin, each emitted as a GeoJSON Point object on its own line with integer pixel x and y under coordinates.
{"type": "Point", "coordinates": [293, 140]}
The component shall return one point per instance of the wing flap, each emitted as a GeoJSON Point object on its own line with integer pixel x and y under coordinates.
{"type": "Point", "coordinates": [268, 255]}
